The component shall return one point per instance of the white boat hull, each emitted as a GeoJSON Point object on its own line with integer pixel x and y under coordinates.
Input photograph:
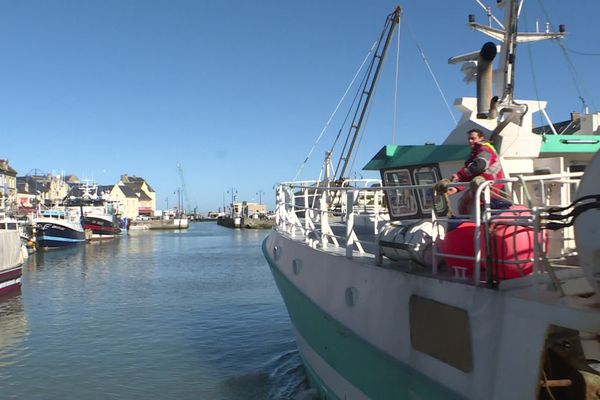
{"type": "Point", "coordinates": [354, 328]}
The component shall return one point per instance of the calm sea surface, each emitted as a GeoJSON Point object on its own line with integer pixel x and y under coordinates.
{"type": "Point", "coordinates": [166, 315]}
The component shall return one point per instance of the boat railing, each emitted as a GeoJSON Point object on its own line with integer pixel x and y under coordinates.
{"type": "Point", "coordinates": [531, 217]}
{"type": "Point", "coordinates": [308, 211]}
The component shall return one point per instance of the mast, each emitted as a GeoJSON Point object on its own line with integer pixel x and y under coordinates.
{"type": "Point", "coordinates": [391, 22]}
{"type": "Point", "coordinates": [509, 50]}
{"type": "Point", "coordinates": [509, 35]}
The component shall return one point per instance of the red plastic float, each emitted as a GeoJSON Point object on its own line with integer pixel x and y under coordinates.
{"type": "Point", "coordinates": [512, 246]}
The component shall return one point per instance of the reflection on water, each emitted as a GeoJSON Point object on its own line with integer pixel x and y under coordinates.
{"type": "Point", "coordinates": [13, 329]}
{"type": "Point", "coordinates": [192, 314]}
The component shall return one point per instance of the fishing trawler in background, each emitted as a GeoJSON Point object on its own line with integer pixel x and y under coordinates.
{"type": "Point", "coordinates": [58, 227]}
{"type": "Point", "coordinates": [393, 296]}
{"type": "Point", "coordinates": [98, 213]}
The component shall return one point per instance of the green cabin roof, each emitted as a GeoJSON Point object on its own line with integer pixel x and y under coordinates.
{"type": "Point", "coordinates": [392, 156]}
{"type": "Point", "coordinates": [570, 144]}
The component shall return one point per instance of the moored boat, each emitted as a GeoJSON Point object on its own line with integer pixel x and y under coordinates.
{"type": "Point", "coordinates": [406, 299]}
{"type": "Point", "coordinates": [158, 223]}
{"type": "Point", "coordinates": [58, 228]}
{"type": "Point", "coordinates": [103, 226]}
{"type": "Point", "coordinates": [98, 214]}
{"type": "Point", "coordinates": [11, 256]}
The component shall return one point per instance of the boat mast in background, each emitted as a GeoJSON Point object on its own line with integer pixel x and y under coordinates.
{"type": "Point", "coordinates": [184, 190]}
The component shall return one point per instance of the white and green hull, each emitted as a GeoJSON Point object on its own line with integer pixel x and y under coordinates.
{"type": "Point", "coordinates": [353, 328]}
{"type": "Point", "coordinates": [343, 365]}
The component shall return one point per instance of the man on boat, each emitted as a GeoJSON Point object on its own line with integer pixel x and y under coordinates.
{"type": "Point", "coordinates": [483, 162]}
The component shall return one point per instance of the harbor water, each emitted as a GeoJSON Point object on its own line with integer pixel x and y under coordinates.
{"type": "Point", "coordinates": [189, 314]}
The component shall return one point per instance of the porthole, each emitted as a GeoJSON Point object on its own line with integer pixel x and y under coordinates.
{"type": "Point", "coordinates": [296, 266]}
{"type": "Point", "coordinates": [276, 252]}
{"type": "Point", "coordinates": [351, 296]}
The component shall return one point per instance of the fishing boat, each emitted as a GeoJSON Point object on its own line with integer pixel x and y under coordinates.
{"type": "Point", "coordinates": [98, 213]}
{"type": "Point", "coordinates": [167, 222]}
{"type": "Point", "coordinates": [56, 228]}
{"type": "Point", "coordinates": [393, 294]}
{"type": "Point", "coordinates": [11, 256]}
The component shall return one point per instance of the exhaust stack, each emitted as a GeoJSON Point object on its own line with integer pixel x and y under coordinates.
{"type": "Point", "coordinates": [484, 80]}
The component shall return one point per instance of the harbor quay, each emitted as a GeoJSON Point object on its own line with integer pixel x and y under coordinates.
{"type": "Point", "coordinates": [60, 210]}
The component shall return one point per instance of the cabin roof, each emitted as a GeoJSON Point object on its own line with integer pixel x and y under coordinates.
{"type": "Point", "coordinates": [392, 156]}
{"type": "Point", "coordinates": [570, 144]}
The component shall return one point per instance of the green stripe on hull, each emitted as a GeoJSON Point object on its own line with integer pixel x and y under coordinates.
{"type": "Point", "coordinates": [315, 380]}
{"type": "Point", "coordinates": [376, 374]}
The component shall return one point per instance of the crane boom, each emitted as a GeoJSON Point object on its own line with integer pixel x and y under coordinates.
{"type": "Point", "coordinates": [369, 85]}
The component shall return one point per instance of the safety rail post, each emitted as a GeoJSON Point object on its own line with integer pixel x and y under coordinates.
{"type": "Point", "coordinates": [350, 196]}
{"type": "Point", "coordinates": [477, 238]}
{"type": "Point", "coordinates": [324, 218]}
{"type": "Point", "coordinates": [292, 213]}
{"type": "Point", "coordinates": [434, 224]}
{"type": "Point", "coordinates": [487, 215]}
{"type": "Point", "coordinates": [306, 213]}
{"type": "Point", "coordinates": [343, 207]}
{"type": "Point", "coordinates": [376, 212]}
{"type": "Point", "coordinates": [280, 215]}
{"type": "Point", "coordinates": [536, 244]}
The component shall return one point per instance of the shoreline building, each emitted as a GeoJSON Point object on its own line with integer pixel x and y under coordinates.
{"type": "Point", "coordinates": [8, 185]}
{"type": "Point", "coordinates": [145, 194]}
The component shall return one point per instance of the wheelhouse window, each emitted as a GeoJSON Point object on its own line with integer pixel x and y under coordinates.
{"type": "Point", "coordinates": [401, 202]}
{"type": "Point", "coordinates": [426, 176]}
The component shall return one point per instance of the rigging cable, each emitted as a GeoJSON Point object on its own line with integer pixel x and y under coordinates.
{"type": "Point", "coordinates": [576, 79]}
{"type": "Point", "coordinates": [574, 74]}
{"type": "Point", "coordinates": [439, 88]}
{"type": "Point", "coordinates": [333, 113]}
{"type": "Point", "coordinates": [581, 53]}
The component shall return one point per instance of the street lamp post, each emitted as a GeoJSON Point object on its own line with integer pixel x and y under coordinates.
{"type": "Point", "coordinates": [260, 193]}
{"type": "Point", "coordinates": [233, 192]}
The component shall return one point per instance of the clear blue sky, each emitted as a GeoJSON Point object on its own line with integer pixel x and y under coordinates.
{"type": "Point", "coordinates": [237, 91]}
